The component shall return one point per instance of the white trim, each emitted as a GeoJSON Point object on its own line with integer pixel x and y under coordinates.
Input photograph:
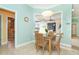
{"type": "Point", "coordinates": [7, 30]}
{"type": "Point", "coordinates": [66, 46]}
{"type": "Point", "coordinates": [61, 13]}
{"type": "Point", "coordinates": [26, 43]}
{"type": "Point", "coordinates": [62, 45]}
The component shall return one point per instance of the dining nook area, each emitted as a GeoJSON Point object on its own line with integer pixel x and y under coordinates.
{"type": "Point", "coordinates": [48, 32]}
{"type": "Point", "coordinates": [48, 43]}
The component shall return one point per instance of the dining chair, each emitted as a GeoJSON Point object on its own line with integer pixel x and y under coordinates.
{"type": "Point", "coordinates": [56, 42]}
{"type": "Point", "coordinates": [50, 34]}
{"type": "Point", "coordinates": [49, 38]}
{"type": "Point", "coordinates": [36, 39]}
{"type": "Point", "coordinates": [40, 41]}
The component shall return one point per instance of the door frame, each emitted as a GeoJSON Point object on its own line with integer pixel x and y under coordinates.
{"type": "Point", "coordinates": [1, 27]}
{"type": "Point", "coordinates": [7, 30]}
{"type": "Point", "coordinates": [14, 25]}
{"type": "Point", "coordinates": [61, 13]}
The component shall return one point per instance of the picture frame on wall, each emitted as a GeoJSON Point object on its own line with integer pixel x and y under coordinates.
{"type": "Point", "coordinates": [26, 19]}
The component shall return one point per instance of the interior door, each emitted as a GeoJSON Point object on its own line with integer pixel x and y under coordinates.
{"type": "Point", "coordinates": [0, 30]}
{"type": "Point", "coordinates": [11, 32]}
{"type": "Point", "coordinates": [74, 29]}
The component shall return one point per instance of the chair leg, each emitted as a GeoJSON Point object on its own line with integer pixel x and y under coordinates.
{"type": "Point", "coordinates": [58, 49]}
{"type": "Point", "coordinates": [43, 50]}
{"type": "Point", "coordinates": [37, 48]}
{"type": "Point", "coordinates": [44, 47]}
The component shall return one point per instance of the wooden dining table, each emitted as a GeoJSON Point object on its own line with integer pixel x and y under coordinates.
{"type": "Point", "coordinates": [49, 44]}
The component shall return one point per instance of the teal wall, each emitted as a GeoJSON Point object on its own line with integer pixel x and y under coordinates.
{"type": "Point", "coordinates": [75, 20]}
{"type": "Point", "coordinates": [66, 10]}
{"type": "Point", "coordinates": [23, 30]}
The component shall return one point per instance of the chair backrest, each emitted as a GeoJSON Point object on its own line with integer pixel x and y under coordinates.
{"type": "Point", "coordinates": [39, 38]}
{"type": "Point", "coordinates": [51, 34]}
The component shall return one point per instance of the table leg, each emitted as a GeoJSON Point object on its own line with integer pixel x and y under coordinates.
{"type": "Point", "coordinates": [50, 48]}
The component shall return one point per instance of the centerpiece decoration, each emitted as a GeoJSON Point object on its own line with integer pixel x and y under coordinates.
{"type": "Point", "coordinates": [46, 30]}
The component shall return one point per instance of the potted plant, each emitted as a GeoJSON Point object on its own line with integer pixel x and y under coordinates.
{"type": "Point", "coordinates": [46, 30]}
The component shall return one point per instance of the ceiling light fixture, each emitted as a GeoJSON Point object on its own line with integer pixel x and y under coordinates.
{"type": "Point", "coordinates": [47, 13]}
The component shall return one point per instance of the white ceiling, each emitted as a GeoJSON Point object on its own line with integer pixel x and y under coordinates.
{"type": "Point", "coordinates": [47, 6]}
{"type": "Point", "coordinates": [76, 10]}
{"type": "Point", "coordinates": [43, 6]}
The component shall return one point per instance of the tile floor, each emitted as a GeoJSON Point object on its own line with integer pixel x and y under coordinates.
{"type": "Point", "coordinates": [30, 50]}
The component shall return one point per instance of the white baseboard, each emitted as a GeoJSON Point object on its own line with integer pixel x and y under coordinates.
{"type": "Point", "coordinates": [3, 43]}
{"type": "Point", "coordinates": [62, 45]}
{"type": "Point", "coordinates": [24, 44]}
